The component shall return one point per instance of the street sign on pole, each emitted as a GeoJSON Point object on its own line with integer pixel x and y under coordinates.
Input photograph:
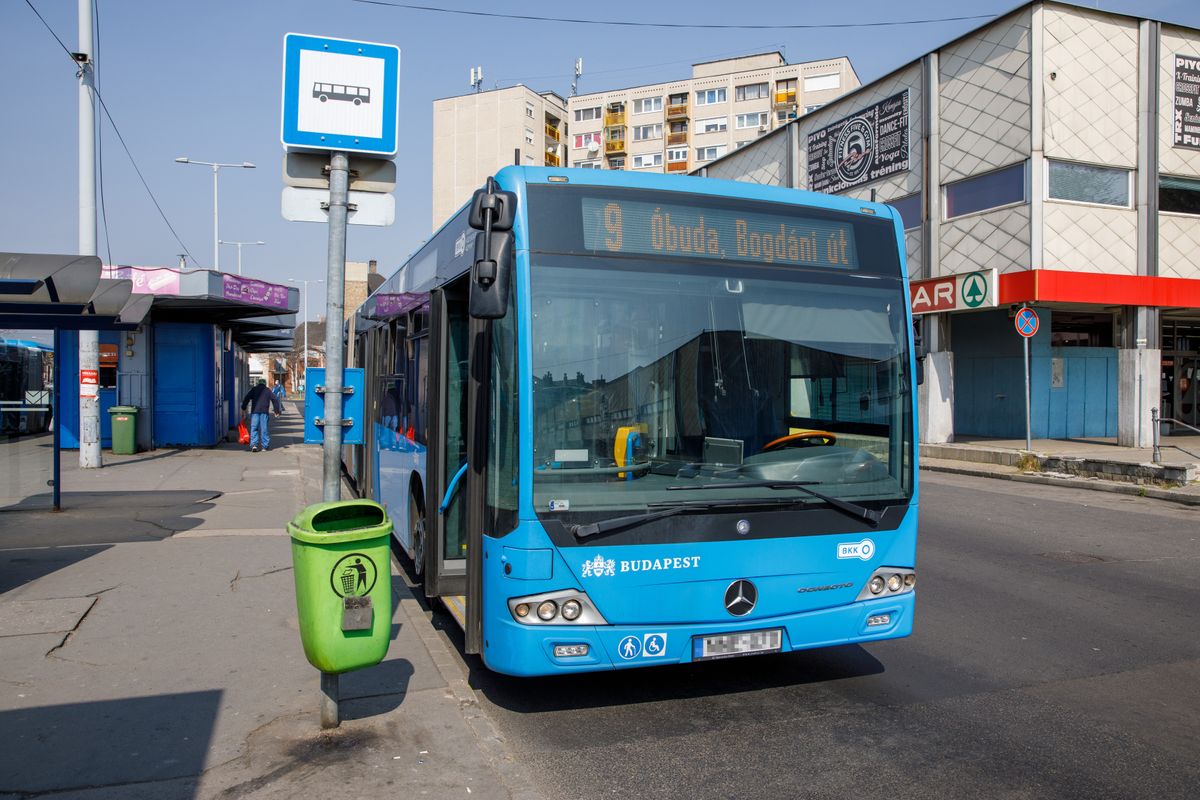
{"type": "Point", "coordinates": [312, 205]}
{"type": "Point", "coordinates": [311, 171]}
{"type": "Point", "coordinates": [340, 95]}
{"type": "Point", "coordinates": [1026, 322]}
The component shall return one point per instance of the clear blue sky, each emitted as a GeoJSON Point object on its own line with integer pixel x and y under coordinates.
{"type": "Point", "coordinates": [203, 80]}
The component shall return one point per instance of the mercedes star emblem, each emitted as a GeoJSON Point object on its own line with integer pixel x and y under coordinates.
{"type": "Point", "coordinates": [740, 598]}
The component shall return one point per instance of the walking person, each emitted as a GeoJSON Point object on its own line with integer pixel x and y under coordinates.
{"type": "Point", "coordinates": [259, 401]}
{"type": "Point", "coordinates": [277, 390]}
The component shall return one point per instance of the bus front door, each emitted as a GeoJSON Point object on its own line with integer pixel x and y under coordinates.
{"type": "Point", "coordinates": [451, 570]}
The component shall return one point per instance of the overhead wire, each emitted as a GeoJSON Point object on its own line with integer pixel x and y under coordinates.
{"type": "Point", "coordinates": [117, 131]}
{"type": "Point", "coordinates": [673, 25]}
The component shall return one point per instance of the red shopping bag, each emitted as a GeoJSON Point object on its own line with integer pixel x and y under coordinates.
{"type": "Point", "coordinates": [243, 432]}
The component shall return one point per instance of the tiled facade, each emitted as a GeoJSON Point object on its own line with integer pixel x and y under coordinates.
{"type": "Point", "coordinates": [1080, 102]}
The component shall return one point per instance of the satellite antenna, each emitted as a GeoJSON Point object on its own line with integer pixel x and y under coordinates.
{"type": "Point", "coordinates": [477, 78]}
{"type": "Point", "coordinates": [578, 74]}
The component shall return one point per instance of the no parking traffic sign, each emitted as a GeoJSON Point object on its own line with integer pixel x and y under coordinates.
{"type": "Point", "coordinates": [1026, 322]}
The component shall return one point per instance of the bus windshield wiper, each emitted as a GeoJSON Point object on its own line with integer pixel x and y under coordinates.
{"type": "Point", "coordinates": [650, 514]}
{"type": "Point", "coordinates": [845, 506]}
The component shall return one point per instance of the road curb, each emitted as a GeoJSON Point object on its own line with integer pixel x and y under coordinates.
{"type": "Point", "coordinates": [1097, 485]}
{"type": "Point", "coordinates": [513, 773]}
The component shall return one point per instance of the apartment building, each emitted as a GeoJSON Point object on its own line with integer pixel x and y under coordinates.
{"type": "Point", "coordinates": [1052, 156]}
{"type": "Point", "coordinates": [678, 125]}
{"type": "Point", "coordinates": [476, 134]}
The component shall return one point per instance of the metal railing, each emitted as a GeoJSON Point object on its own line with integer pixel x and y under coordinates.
{"type": "Point", "coordinates": [679, 111]}
{"type": "Point", "coordinates": [612, 118]}
{"type": "Point", "coordinates": [785, 98]}
{"type": "Point", "coordinates": [677, 137]}
{"type": "Point", "coordinates": [1155, 421]}
{"type": "Point", "coordinates": [552, 133]}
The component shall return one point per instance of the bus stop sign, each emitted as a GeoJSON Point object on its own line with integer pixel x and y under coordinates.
{"type": "Point", "coordinates": [1026, 322]}
{"type": "Point", "coordinates": [340, 95]}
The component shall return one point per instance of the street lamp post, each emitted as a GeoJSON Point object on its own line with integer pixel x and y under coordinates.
{"type": "Point", "coordinates": [306, 283]}
{"type": "Point", "coordinates": [216, 170]}
{"type": "Point", "coordinates": [239, 247]}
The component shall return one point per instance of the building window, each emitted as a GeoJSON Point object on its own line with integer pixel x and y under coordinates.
{"type": "Point", "coordinates": [616, 163]}
{"type": "Point", "coordinates": [740, 145]}
{"type": "Point", "coordinates": [1080, 330]}
{"type": "Point", "coordinates": [909, 207]}
{"type": "Point", "coordinates": [582, 140]}
{"type": "Point", "coordinates": [707, 97]}
{"type": "Point", "coordinates": [820, 83]}
{"type": "Point", "coordinates": [677, 154]}
{"type": "Point", "coordinates": [528, 159]}
{"type": "Point", "coordinates": [751, 91]}
{"type": "Point", "coordinates": [647, 104]}
{"type": "Point", "coordinates": [1178, 195]}
{"type": "Point", "coordinates": [588, 165]}
{"type": "Point", "coordinates": [677, 99]}
{"type": "Point", "coordinates": [784, 116]}
{"type": "Point", "coordinates": [1084, 183]}
{"type": "Point", "coordinates": [529, 109]}
{"type": "Point", "coordinates": [584, 114]}
{"type": "Point", "coordinates": [709, 153]}
{"type": "Point", "coordinates": [812, 108]}
{"type": "Point", "coordinates": [990, 190]}
{"type": "Point", "coordinates": [647, 160]}
{"type": "Point", "coordinates": [758, 120]}
{"type": "Point", "coordinates": [712, 125]}
{"type": "Point", "coordinates": [643, 132]}
{"type": "Point", "coordinates": [528, 136]}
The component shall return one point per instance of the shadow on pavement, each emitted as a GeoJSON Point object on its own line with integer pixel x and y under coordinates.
{"type": "Point", "coordinates": [109, 743]}
{"type": "Point", "coordinates": [104, 518]}
{"type": "Point", "coordinates": [21, 566]}
{"type": "Point", "coordinates": [375, 690]}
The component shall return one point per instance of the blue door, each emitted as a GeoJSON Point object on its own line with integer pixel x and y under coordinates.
{"type": "Point", "coordinates": [68, 415]}
{"type": "Point", "coordinates": [184, 375]}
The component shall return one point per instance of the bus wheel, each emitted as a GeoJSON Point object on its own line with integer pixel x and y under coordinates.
{"type": "Point", "coordinates": [416, 524]}
{"type": "Point", "coordinates": [357, 102]}
{"type": "Point", "coordinates": [322, 98]}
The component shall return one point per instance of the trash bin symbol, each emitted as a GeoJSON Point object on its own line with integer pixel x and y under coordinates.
{"type": "Point", "coordinates": [349, 578]}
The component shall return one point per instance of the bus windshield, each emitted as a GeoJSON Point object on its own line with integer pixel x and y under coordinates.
{"type": "Point", "coordinates": [652, 377]}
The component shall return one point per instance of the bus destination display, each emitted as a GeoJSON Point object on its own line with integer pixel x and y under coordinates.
{"type": "Point", "coordinates": [632, 227]}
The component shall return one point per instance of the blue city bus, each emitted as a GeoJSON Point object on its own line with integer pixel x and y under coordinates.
{"type": "Point", "coordinates": [621, 420]}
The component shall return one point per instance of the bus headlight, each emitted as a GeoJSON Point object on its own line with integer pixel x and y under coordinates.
{"type": "Point", "coordinates": [564, 607]}
{"type": "Point", "coordinates": [888, 582]}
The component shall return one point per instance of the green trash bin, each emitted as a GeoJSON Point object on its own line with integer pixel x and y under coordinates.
{"type": "Point", "coordinates": [342, 562]}
{"type": "Point", "coordinates": [124, 429]}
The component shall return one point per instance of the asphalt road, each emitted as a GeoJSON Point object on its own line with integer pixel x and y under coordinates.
{"type": "Point", "coordinates": [1056, 654]}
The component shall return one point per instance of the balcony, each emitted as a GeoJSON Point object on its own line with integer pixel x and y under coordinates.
{"type": "Point", "coordinates": [785, 98]}
{"type": "Point", "coordinates": [553, 160]}
{"type": "Point", "coordinates": [612, 118]}
{"type": "Point", "coordinates": [677, 166]}
{"type": "Point", "coordinates": [677, 137]}
{"type": "Point", "coordinates": [552, 133]}
{"type": "Point", "coordinates": [677, 112]}
{"type": "Point", "coordinates": [613, 147]}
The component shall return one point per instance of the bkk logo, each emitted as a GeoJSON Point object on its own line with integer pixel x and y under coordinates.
{"type": "Point", "coordinates": [601, 566]}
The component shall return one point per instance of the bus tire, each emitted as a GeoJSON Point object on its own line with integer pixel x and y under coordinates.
{"type": "Point", "coordinates": [322, 98]}
{"type": "Point", "coordinates": [357, 102]}
{"type": "Point", "coordinates": [416, 527]}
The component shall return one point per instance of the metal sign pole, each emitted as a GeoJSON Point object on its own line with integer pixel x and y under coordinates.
{"type": "Point", "coordinates": [335, 288]}
{"type": "Point", "coordinates": [89, 341]}
{"type": "Point", "coordinates": [1028, 438]}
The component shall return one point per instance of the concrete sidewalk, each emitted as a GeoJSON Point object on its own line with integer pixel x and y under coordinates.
{"type": "Point", "coordinates": [149, 648]}
{"type": "Point", "coordinates": [1099, 464]}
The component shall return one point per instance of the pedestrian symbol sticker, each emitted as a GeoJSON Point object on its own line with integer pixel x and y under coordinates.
{"type": "Point", "coordinates": [974, 290]}
{"type": "Point", "coordinates": [630, 647]}
{"type": "Point", "coordinates": [654, 644]}
{"type": "Point", "coordinates": [353, 576]}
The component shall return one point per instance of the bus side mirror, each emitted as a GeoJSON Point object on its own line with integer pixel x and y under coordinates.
{"type": "Point", "coordinates": [493, 212]}
{"type": "Point", "coordinates": [491, 276]}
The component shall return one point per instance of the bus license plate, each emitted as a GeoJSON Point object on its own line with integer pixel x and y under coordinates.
{"type": "Point", "coordinates": [730, 645]}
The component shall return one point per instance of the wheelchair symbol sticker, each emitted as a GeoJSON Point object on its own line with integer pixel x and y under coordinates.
{"type": "Point", "coordinates": [654, 644]}
{"type": "Point", "coordinates": [629, 648]}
